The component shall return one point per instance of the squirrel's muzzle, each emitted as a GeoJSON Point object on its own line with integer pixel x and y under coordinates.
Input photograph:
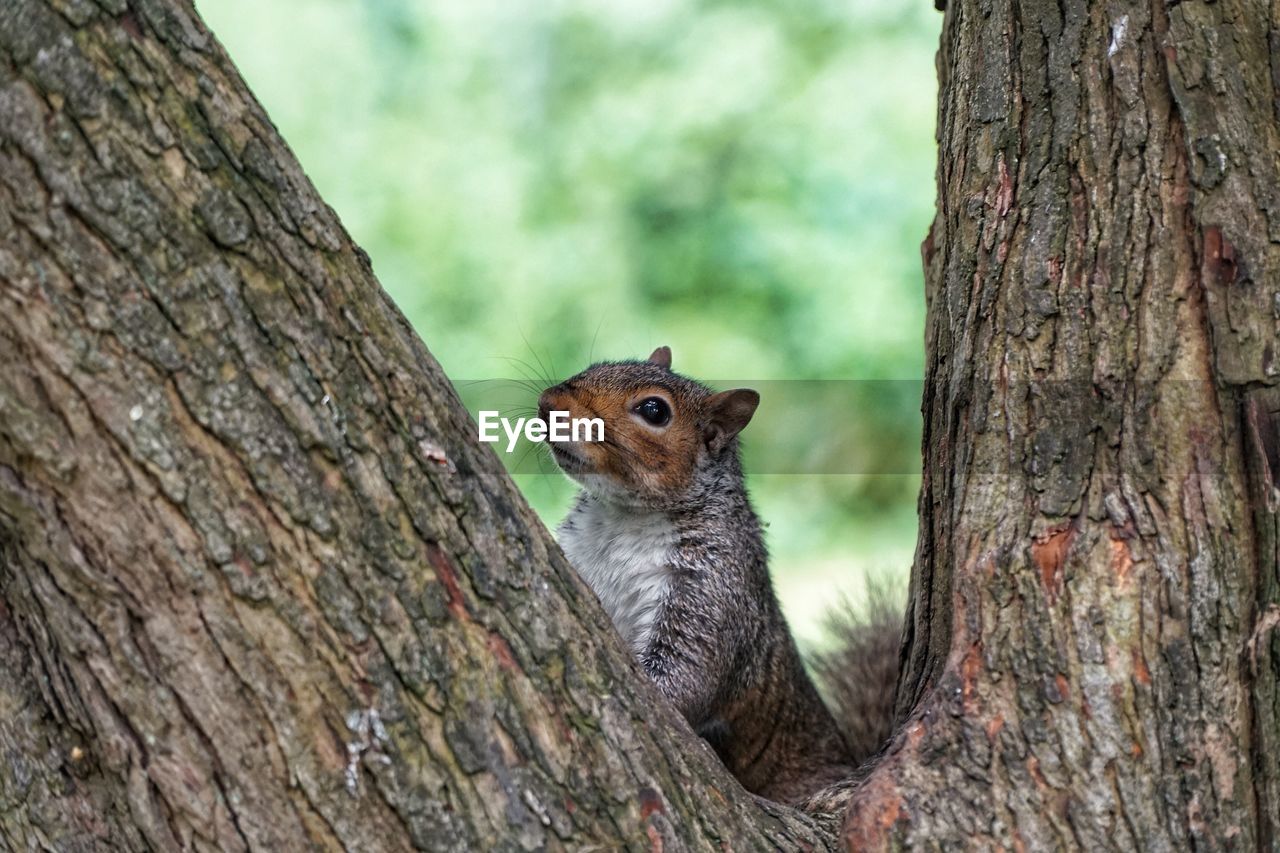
{"type": "Point", "coordinates": [554, 399]}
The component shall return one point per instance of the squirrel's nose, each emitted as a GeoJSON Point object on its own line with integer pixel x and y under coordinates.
{"type": "Point", "coordinates": [555, 398]}
{"type": "Point", "coordinates": [545, 403]}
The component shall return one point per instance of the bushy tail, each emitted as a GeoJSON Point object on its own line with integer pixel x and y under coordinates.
{"type": "Point", "coordinates": [858, 673]}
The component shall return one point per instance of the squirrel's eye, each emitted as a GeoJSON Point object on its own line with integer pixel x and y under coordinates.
{"type": "Point", "coordinates": [654, 410]}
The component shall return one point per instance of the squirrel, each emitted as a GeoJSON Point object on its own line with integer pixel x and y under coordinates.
{"type": "Point", "coordinates": [664, 533]}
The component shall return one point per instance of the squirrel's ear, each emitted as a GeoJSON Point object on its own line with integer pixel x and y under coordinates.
{"type": "Point", "coordinates": [727, 413]}
{"type": "Point", "coordinates": [661, 357]}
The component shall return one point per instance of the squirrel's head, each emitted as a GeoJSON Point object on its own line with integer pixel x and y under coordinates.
{"type": "Point", "coordinates": [660, 428]}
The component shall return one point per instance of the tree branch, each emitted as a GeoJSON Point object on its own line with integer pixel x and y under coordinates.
{"type": "Point", "coordinates": [261, 586]}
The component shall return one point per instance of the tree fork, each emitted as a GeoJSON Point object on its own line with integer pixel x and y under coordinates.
{"type": "Point", "coordinates": [260, 587]}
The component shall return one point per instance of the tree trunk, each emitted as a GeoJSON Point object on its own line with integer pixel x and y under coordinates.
{"type": "Point", "coordinates": [260, 587]}
{"type": "Point", "coordinates": [1091, 661]}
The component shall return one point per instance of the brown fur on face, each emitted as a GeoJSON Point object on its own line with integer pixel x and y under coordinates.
{"type": "Point", "coordinates": [637, 461]}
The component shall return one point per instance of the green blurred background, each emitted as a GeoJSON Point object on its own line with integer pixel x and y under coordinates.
{"type": "Point", "coordinates": [543, 183]}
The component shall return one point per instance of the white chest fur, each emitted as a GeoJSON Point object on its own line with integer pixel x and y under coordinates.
{"type": "Point", "coordinates": [623, 555]}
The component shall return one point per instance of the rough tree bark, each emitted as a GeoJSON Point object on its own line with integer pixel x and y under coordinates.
{"type": "Point", "coordinates": [260, 587]}
{"type": "Point", "coordinates": [1090, 659]}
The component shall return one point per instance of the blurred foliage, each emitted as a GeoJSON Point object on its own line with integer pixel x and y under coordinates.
{"type": "Point", "coordinates": [541, 183]}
